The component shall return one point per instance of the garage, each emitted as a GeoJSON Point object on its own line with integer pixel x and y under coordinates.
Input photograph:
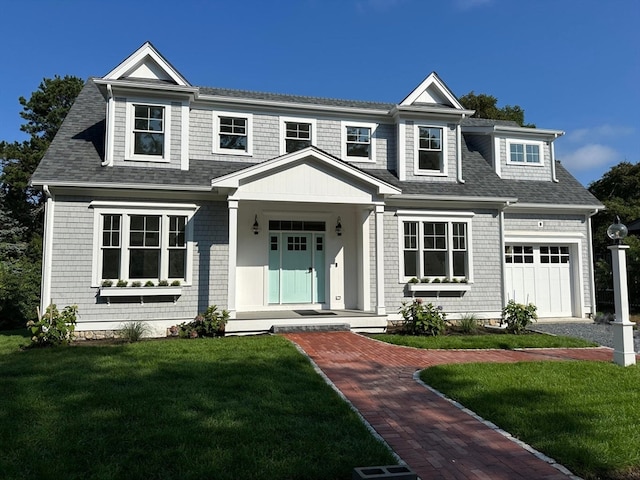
{"type": "Point", "coordinates": [542, 275]}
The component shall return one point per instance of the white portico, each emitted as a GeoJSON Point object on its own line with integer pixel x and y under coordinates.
{"type": "Point", "coordinates": [300, 235]}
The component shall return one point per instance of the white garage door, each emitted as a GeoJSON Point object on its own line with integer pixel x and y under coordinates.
{"type": "Point", "coordinates": [540, 274]}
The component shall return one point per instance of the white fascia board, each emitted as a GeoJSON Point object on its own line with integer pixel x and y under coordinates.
{"type": "Point", "coordinates": [235, 102]}
{"type": "Point", "coordinates": [432, 79]}
{"type": "Point", "coordinates": [556, 208]}
{"type": "Point", "coordinates": [510, 130]}
{"type": "Point", "coordinates": [413, 112]}
{"type": "Point", "coordinates": [187, 91]}
{"type": "Point", "coordinates": [456, 198]}
{"type": "Point", "coordinates": [233, 180]}
{"type": "Point", "coordinates": [122, 186]}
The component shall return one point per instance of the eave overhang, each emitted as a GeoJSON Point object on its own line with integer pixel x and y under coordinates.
{"type": "Point", "coordinates": [512, 130]}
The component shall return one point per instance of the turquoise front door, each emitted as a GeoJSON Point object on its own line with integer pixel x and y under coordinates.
{"type": "Point", "coordinates": [296, 267]}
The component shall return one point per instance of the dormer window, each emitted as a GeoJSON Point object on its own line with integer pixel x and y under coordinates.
{"type": "Point", "coordinates": [430, 150]}
{"type": "Point", "coordinates": [357, 141]}
{"type": "Point", "coordinates": [148, 130]}
{"type": "Point", "coordinates": [522, 153]}
{"type": "Point", "coordinates": [297, 134]}
{"type": "Point", "coordinates": [233, 132]}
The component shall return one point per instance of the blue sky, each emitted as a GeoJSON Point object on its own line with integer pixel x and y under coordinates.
{"type": "Point", "coordinates": [572, 65]}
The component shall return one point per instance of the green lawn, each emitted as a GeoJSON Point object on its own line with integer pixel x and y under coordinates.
{"type": "Point", "coordinates": [585, 415]}
{"type": "Point", "coordinates": [230, 408]}
{"type": "Point", "coordinates": [498, 340]}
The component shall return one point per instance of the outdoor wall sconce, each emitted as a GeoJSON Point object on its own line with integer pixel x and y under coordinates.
{"type": "Point", "coordinates": [256, 226]}
{"type": "Point", "coordinates": [339, 227]}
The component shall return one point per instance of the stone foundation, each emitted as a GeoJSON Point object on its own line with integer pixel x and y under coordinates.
{"type": "Point", "coordinates": [95, 335]}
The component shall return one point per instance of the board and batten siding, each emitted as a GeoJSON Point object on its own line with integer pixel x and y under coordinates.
{"type": "Point", "coordinates": [72, 257]}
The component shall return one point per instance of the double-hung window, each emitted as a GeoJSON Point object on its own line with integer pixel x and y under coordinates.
{"type": "Point", "coordinates": [430, 150]}
{"type": "Point", "coordinates": [357, 141]}
{"type": "Point", "coordinates": [524, 153]}
{"type": "Point", "coordinates": [148, 130]}
{"type": "Point", "coordinates": [297, 134]}
{"type": "Point", "coordinates": [141, 244]}
{"type": "Point", "coordinates": [435, 248]}
{"type": "Point", "coordinates": [232, 133]}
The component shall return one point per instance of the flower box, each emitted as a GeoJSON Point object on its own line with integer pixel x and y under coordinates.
{"type": "Point", "coordinates": [109, 292]}
{"type": "Point", "coordinates": [439, 287]}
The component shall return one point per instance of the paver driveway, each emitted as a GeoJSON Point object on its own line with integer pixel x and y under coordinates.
{"type": "Point", "coordinates": [436, 439]}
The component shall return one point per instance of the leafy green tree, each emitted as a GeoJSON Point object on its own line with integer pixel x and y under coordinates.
{"type": "Point", "coordinates": [21, 205]}
{"type": "Point", "coordinates": [619, 191]}
{"type": "Point", "coordinates": [486, 106]}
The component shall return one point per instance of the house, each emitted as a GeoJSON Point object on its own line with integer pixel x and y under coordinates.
{"type": "Point", "coordinates": [287, 210]}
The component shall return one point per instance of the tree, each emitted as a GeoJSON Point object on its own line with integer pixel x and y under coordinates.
{"type": "Point", "coordinates": [486, 106]}
{"type": "Point", "coordinates": [21, 205]}
{"type": "Point", "coordinates": [619, 191]}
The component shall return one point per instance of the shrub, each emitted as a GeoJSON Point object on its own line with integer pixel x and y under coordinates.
{"type": "Point", "coordinates": [414, 280]}
{"type": "Point", "coordinates": [149, 283]}
{"type": "Point", "coordinates": [421, 319]}
{"type": "Point", "coordinates": [175, 283]}
{"type": "Point", "coordinates": [133, 331]}
{"type": "Point", "coordinates": [163, 283]}
{"type": "Point", "coordinates": [437, 280]}
{"type": "Point", "coordinates": [107, 283]}
{"type": "Point", "coordinates": [121, 283]}
{"type": "Point", "coordinates": [211, 323]}
{"type": "Point", "coordinates": [518, 316]}
{"type": "Point", "coordinates": [425, 280]}
{"type": "Point", "coordinates": [54, 327]}
{"type": "Point", "coordinates": [136, 284]}
{"type": "Point", "coordinates": [468, 323]}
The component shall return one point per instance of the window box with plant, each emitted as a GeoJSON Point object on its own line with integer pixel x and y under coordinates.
{"type": "Point", "coordinates": [137, 289]}
{"type": "Point", "coordinates": [438, 285]}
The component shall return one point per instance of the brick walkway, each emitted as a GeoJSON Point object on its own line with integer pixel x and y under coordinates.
{"type": "Point", "coordinates": [436, 439]}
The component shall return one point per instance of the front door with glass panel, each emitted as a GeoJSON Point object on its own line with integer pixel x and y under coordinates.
{"type": "Point", "coordinates": [296, 263]}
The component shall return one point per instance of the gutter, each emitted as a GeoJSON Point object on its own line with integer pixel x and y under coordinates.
{"type": "Point", "coordinates": [459, 151]}
{"type": "Point", "coordinates": [108, 141]}
{"type": "Point", "coordinates": [553, 158]}
{"type": "Point", "coordinates": [127, 186]}
{"type": "Point", "coordinates": [592, 271]}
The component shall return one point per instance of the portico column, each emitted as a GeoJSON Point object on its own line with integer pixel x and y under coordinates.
{"type": "Point", "coordinates": [380, 307]}
{"type": "Point", "coordinates": [233, 257]}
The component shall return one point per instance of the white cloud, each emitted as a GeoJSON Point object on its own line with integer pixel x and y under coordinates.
{"type": "Point", "coordinates": [588, 157]}
{"type": "Point", "coordinates": [600, 132]}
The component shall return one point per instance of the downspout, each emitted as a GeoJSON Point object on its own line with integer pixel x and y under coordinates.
{"type": "Point", "coordinates": [503, 266]}
{"type": "Point", "coordinates": [553, 158]}
{"type": "Point", "coordinates": [47, 251]}
{"type": "Point", "coordinates": [459, 150]}
{"type": "Point", "coordinates": [592, 273]}
{"type": "Point", "coordinates": [108, 141]}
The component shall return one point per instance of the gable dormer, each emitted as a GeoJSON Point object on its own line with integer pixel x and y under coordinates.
{"type": "Point", "coordinates": [429, 133]}
{"type": "Point", "coordinates": [147, 118]}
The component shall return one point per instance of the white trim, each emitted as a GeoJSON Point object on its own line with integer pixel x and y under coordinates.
{"type": "Point", "coordinates": [125, 210]}
{"type": "Point", "coordinates": [444, 149]}
{"type": "Point", "coordinates": [402, 150]}
{"type": "Point", "coordinates": [283, 120]}
{"type": "Point", "coordinates": [439, 217]}
{"type": "Point", "coordinates": [138, 57]}
{"type": "Point", "coordinates": [380, 301]}
{"type": "Point", "coordinates": [497, 160]}
{"type": "Point", "coordinates": [439, 287]}
{"type": "Point", "coordinates": [184, 137]}
{"type": "Point", "coordinates": [216, 132]}
{"type": "Point", "coordinates": [372, 141]}
{"type": "Point", "coordinates": [433, 80]}
{"type": "Point", "coordinates": [129, 154]}
{"type": "Point", "coordinates": [110, 128]}
{"type": "Point", "coordinates": [364, 286]}
{"type": "Point", "coordinates": [232, 258]}
{"type": "Point", "coordinates": [524, 143]}
{"type": "Point", "coordinates": [47, 251]}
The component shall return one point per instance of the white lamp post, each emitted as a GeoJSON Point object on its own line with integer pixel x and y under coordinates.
{"type": "Point", "coordinates": [623, 353]}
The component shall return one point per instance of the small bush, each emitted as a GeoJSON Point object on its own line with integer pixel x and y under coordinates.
{"type": "Point", "coordinates": [149, 283]}
{"type": "Point", "coordinates": [175, 283]}
{"type": "Point", "coordinates": [414, 280]}
{"type": "Point", "coordinates": [518, 316]}
{"type": "Point", "coordinates": [54, 327]}
{"type": "Point", "coordinates": [107, 283]}
{"type": "Point", "coordinates": [136, 284]}
{"type": "Point", "coordinates": [211, 323]}
{"type": "Point", "coordinates": [436, 280]}
{"type": "Point", "coordinates": [421, 319]}
{"type": "Point", "coordinates": [133, 331]}
{"type": "Point", "coordinates": [163, 283]}
{"type": "Point", "coordinates": [122, 283]}
{"type": "Point", "coordinates": [425, 280]}
{"type": "Point", "coordinates": [468, 323]}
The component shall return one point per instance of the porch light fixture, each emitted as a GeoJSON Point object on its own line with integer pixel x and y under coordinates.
{"type": "Point", "coordinates": [617, 231]}
{"type": "Point", "coordinates": [339, 227]}
{"type": "Point", "coordinates": [256, 226]}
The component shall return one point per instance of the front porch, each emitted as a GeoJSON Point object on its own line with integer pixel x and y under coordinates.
{"type": "Point", "coordinates": [306, 319]}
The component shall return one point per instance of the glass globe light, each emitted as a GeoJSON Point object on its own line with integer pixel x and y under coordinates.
{"type": "Point", "coordinates": [617, 231]}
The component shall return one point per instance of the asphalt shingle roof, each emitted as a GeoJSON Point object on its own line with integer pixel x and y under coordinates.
{"type": "Point", "coordinates": [76, 154]}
